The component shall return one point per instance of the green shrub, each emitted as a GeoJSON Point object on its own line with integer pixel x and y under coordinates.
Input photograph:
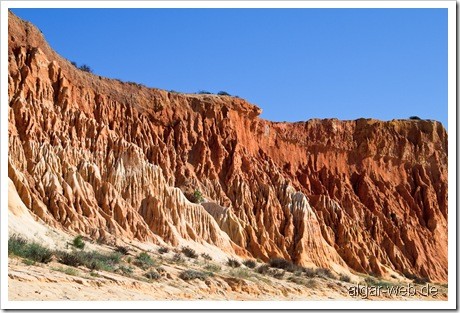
{"type": "Point", "coordinates": [206, 256]}
{"type": "Point", "coordinates": [325, 273]}
{"type": "Point", "coordinates": [68, 270]}
{"type": "Point", "coordinates": [32, 251]}
{"type": "Point", "coordinates": [122, 250]}
{"type": "Point", "coordinates": [92, 260]}
{"type": "Point", "coordinates": [309, 272]}
{"type": "Point", "coordinates": [178, 258]}
{"type": "Point", "coordinates": [310, 283]}
{"type": "Point", "coordinates": [371, 281]}
{"type": "Point", "coordinates": [78, 242]}
{"type": "Point", "coordinates": [28, 262]}
{"type": "Point", "coordinates": [38, 253]}
{"type": "Point", "coordinates": [153, 275]}
{"type": "Point", "coordinates": [98, 261]}
{"type": "Point", "coordinates": [345, 278]}
{"type": "Point", "coordinates": [85, 68]}
{"type": "Point", "coordinates": [71, 259]}
{"type": "Point", "coordinates": [126, 270]}
{"type": "Point", "coordinates": [16, 245]}
{"type": "Point", "coordinates": [189, 252]}
{"type": "Point", "coordinates": [240, 273]}
{"type": "Point", "coordinates": [285, 265]}
{"type": "Point", "coordinates": [223, 93]}
{"type": "Point", "coordinates": [263, 269]}
{"type": "Point", "coordinates": [278, 274]}
{"type": "Point", "coordinates": [213, 268]}
{"type": "Point", "coordinates": [233, 263]}
{"type": "Point", "coordinates": [197, 196]}
{"type": "Point", "coordinates": [191, 274]}
{"type": "Point", "coordinates": [250, 263]}
{"type": "Point", "coordinates": [163, 250]}
{"type": "Point", "coordinates": [414, 117]}
{"type": "Point", "coordinates": [204, 92]}
{"type": "Point", "coordinates": [297, 280]}
{"type": "Point", "coordinates": [144, 261]}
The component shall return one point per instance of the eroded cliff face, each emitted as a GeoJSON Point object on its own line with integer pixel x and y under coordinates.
{"type": "Point", "coordinates": [111, 160]}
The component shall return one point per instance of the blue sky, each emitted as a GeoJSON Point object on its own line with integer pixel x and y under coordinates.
{"type": "Point", "coordinates": [295, 64]}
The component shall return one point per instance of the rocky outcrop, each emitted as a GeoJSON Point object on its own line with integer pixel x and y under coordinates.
{"type": "Point", "coordinates": [109, 159]}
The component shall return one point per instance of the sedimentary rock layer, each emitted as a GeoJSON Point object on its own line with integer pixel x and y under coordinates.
{"type": "Point", "coordinates": [113, 160]}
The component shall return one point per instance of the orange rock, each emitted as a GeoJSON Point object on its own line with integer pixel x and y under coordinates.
{"type": "Point", "coordinates": [109, 159]}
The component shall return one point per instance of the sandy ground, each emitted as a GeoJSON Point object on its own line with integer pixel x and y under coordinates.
{"type": "Point", "coordinates": [50, 282]}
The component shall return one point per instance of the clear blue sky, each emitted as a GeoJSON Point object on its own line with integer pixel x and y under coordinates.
{"type": "Point", "coordinates": [295, 64]}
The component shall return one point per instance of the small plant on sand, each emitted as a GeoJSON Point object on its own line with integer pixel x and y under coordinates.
{"type": "Point", "coordinates": [250, 263]}
{"type": "Point", "coordinates": [66, 270]}
{"type": "Point", "coordinates": [153, 275]}
{"type": "Point", "coordinates": [263, 269]}
{"type": "Point", "coordinates": [192, 274]}
{"type": "Point", "coordinates": [32, 251]}
{"type": "Point", "coordinates": [38, 253]}
{"type": "Point", "coordinates": [296, 280]}
{"type": "Point", "coordinates": [98, 261]}
{"type": "Point", "coordinates": [144, 261]}
{"type": "Point", "coordinates": [163, 250]}
{"type": "Point", "coordinates": [213, 268]}
{"type": "Point", "coordinates": [178, 258]}
{"type": "Point", "coordinates": [28, 262]}
{"type": "Point", "coordinates": [285, 265]}
{"type": "Point", "coordinates": [240, 273]}
{"type": "Point", "coordinates": [125, 270]}
{"type": "Point", "coordinates": [278, 274]}
{"type": "Point", "coordinates": [16, 245]}
{"type": "Point", "coordinates": [309, 272]}
{"type": "Point", "coordinates": [78, 242]}
{"type": "Point", "coordinates": [233, 263]}
{"type": "Point", "coordinates": [189, 252]}
{"type": "Point", "coordinates": [92, 260]}
{"type": "Point", "coordinates": [311, 283]}
{"type": "Point", "coordinates": [71, 259]}
{"type": "Point", "coordinates": [345, 278]}
{"type": "Point", "coordinates": [71, 271]}
{"type": "Point", "coordinates": [122, 250]}
{"type": "Point", "coordinates": [206, 256]}
{"type": "Point", "coordinates": [371, 281]}
{"type": "Point", "coordinates": [325, 273]}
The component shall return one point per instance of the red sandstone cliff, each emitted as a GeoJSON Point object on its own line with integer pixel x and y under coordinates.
{"type": "Point", "coordinates": [109, 159]}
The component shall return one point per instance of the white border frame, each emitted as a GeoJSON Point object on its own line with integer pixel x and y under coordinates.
{"type": "Point", "coordinates": [280, 305]}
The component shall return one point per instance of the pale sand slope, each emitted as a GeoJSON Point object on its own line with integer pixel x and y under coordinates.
{"type": "Point", "coordinates": [44, 282]}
